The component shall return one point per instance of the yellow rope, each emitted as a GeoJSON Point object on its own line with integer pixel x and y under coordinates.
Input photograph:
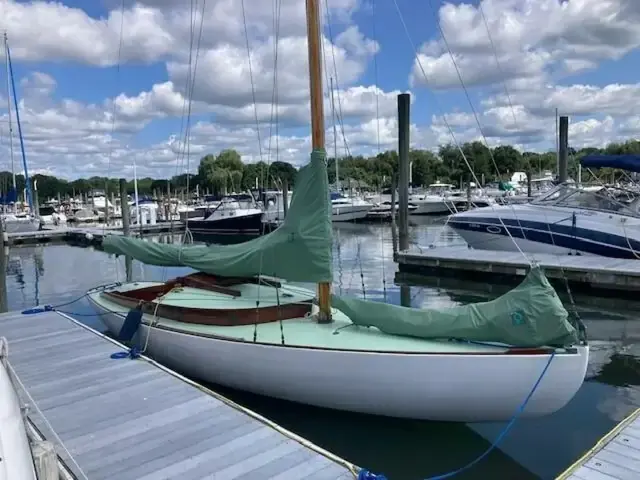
{"type": "Point", "coordinates": [600, 445]}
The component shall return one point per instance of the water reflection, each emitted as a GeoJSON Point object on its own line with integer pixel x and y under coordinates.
{"type": "Point", "coordinates": [402, 449]}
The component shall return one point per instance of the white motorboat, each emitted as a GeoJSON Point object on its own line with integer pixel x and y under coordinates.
{"type": "Point", "coordinates": [20, 223]}
{"type": "Point", "coordinates": [234, 215]}
{"type": "Point", "coordinates": [348, 209]}
{"type": "Point", "coordinates": [50, 216]}
{"type": "Point", "coordinates": [565, 220]}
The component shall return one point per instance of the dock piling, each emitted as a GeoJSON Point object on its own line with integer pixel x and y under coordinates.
{"type": "Point", "coordinates": [404, 125]}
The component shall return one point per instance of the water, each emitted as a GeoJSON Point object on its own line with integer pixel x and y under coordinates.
{"type": "Point", "coordinates": [402, 449]}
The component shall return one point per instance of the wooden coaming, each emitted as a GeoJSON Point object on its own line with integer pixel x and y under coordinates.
{"type": "Point", "coordinates": [144, 298]}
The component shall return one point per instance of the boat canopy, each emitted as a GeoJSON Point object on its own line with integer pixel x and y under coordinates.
{"type": "Point", "coordinates": [10, 197]}
{"type": "Point", "coordinates": [299, 250]}
{"type": "Point", "coordinates": [630, 163]}
{"type": "Point", "coordinates": [530, 315]}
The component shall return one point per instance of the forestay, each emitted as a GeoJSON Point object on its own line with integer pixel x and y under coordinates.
{"type": "Point", "coordinates": [299, 250]}
{"type": "Point", "coordinates": [530, 315]}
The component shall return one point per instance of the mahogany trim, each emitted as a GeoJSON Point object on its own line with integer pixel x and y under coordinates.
{"type": "Point", "coordinates": [211, 316]}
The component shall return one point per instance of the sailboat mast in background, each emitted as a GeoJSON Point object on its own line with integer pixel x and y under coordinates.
{"type": "Point", "coordinates": [6, 58]}
{"type": "Point", "coordinates": [317, 122]}
{"type": "Point", "coordinates": [27, 181]}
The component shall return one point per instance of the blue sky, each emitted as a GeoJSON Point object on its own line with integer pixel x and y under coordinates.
{"type": "Point", "coordinates": [578, 57]}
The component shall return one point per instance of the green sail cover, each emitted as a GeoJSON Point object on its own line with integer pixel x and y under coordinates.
{"type": "Point", "coordinates": [299, 250]}
{"type": "Point", "coordinates": [530, 315]}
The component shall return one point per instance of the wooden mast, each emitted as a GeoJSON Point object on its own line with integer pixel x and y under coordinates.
{"type": "Point", "coordinates": [317, 121]}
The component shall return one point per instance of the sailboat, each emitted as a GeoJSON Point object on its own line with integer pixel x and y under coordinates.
{"type": "Point", "coordinates": [238, 322]}
{"type": "Point", "coordinates": [14, 222]}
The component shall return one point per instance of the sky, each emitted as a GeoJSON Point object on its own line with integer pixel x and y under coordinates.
{"type": "Point", "coordinates": [103, 85]}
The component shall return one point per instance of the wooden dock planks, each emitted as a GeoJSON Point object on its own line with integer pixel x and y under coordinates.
{"type": "Point", "coordinates": [133, 419]}
{"type": "Point", "coordinates": [615, 457]}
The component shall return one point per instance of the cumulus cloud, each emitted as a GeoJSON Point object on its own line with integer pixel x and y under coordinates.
{"type": "Point", "coordinates": [521, 74]}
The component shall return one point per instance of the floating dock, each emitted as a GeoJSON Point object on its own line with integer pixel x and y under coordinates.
{"type": "Point", "coordinates": [587, 272]}
{"type": "Point", "coordinates": [135, 419]}
{"type": "Point", "coordinates": [87, 234]}
{"type": "Point", "coordinates": [615, 457]}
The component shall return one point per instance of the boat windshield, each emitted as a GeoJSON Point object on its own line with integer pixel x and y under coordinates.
{"type": "Point", "coordinates": [555, 194]}
{"type": "Point", "coordinates": [607, 199]}
{"type": "Point", "coordinates": [439, 188]}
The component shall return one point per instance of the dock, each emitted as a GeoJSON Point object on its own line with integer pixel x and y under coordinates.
{"type": "Point", "coordinates": [615, 276]}
{"type": "Point", "coordinates": [87, 234]}
{"type": "Point", "coordinates": [135, 419]}
{"type": "Point", "coordinates": [615, 457]}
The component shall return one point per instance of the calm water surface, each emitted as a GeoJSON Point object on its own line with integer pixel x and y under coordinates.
{"type": "Point", "coordinates": [401, 449]}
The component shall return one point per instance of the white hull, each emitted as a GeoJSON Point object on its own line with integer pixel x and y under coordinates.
{"type": "Point", "coordinates": [431, 386]}
{"type": "Point", "coordinates": [490, 241]}
{"type": "Point", "coordinates": [349, 213]}
{"type": "Point", "coordinates": [14, 224]}
{"type": "Point", "coordinates": [15, 453]}
{"type": "Point", "coordinates": [55, 219]}
{"type": "Point", "coordinates": [549, 229]}
{"type": "Point", "coordinates": [432, 207]}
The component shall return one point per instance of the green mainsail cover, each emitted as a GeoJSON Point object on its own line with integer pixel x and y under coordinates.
{"type": "Point", "coordinates": [299, 250]}
{"type": "Point", "coordinates": [530, 315]}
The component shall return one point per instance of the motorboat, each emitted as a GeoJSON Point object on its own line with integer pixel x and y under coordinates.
{"type": "Point", "coordinates": [49, 215]}
{"type": "Point", "coordinates": [233, 215]}
{"type": "Point", "coordinates": [348, 209]}
{"type": "Point", "coordinates": [20, 223]}
{"type": "Point", "coordinates": [568, 219]}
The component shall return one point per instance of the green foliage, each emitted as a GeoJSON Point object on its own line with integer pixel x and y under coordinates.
{"type": "Point", "coordinates": [226, 172]}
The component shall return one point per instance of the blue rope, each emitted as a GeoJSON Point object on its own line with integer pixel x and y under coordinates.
{"type": "Point", "coordinates": [366, 475]}
{"type": "Point", "coordinates": [132, 353]}
{"type": "Point", "coordinates": [32, 311]}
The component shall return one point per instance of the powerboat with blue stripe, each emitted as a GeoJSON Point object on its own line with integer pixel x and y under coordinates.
{"type": "Point", "coordinates": [568, 219]}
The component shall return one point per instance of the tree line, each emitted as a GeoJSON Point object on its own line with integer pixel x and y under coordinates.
{"type": "Point", "coordinates": [225, 172]}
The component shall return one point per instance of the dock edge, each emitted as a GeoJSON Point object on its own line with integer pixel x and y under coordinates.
{"type": "Point", "coordinates": [629, 419]}
{"type": "Point", "coordinates": [352, 468]}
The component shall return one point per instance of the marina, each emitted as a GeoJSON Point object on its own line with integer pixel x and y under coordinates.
{"type": "Point", "coordinates": [252, 315]}
{"type": "Point", "coordinates": [86, 234]}
{"type": "Point", "coordinates": [134, 419]}
{"type": "Point", "coordinates": [320, 423]}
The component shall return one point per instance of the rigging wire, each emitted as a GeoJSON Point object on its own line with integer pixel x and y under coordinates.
{"type": "Point", "coordinates": [253, 88]}
{"type": "Point", "coordinates": [339, 114]}
{"type": "Point", "coordinates": [448, 125]}
{"type": "Point", "coordinates": [113, 112]}
{"type": "Point", "coordinates": [187, 144]}
{"type": "Point", "coordinates": [340, 118]}
{"type": "Point", "coordinates": [274, 114]}
{"type": "Point", "coordinates": [515, 122]}
{"type": "Point", "coordinates": [375, 77]}
{"type": "Point", "coordinates": [475, 115]}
